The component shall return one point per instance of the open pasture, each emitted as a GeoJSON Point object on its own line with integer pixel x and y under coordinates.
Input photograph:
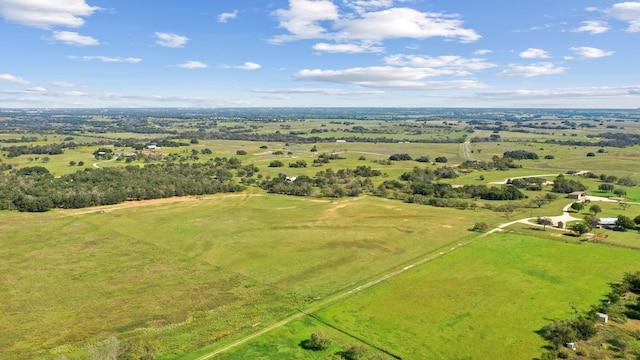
{"type": "Point", "coordinates": [184, 274]}
{"type": "Point", "coordinates": [482, 301]}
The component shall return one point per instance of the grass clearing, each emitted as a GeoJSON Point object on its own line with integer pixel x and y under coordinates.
{"type": "Point", "coordinates": [186, 274]}
{"type": "Point", "coordinates": [484, 301]}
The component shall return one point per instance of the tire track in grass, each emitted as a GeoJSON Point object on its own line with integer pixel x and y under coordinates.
{"type": "Point", "coordinates": [323, 303]}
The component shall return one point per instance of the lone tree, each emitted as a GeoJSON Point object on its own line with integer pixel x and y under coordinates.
{"type": "Point", "coordinates": [545, 221]}
{"type": "Point", "coordinates": [539, 201]}
{"type": "Point", "coordinates": [480, 227]}
{"type": "Point", "coordinates": [591, 221]}
{"type": "Point", "coordinates": [605, 187]}
{"type": "Point", "coordinates": [580, 228]}
{"type": "Point", "coordinates": [625, 222]}
{"type": "Point", "coordinates": [577, 206]}
{"type": "Point", "coordinates": [355, 352]}
{"type": "Point", "coordinates": [317, 341]}
{"type": "Point", "coordinates": [595, 209]}
{"type": "Point", "coordinates": [620, 192]}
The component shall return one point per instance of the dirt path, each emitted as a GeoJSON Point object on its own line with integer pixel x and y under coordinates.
{"type": "Point", "coordinates": [152, 202]}
{"type": "Point", "coordinates": [316, 306]}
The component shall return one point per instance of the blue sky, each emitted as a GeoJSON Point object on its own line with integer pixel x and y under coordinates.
{"type": "Point", "coordinates": [415, 53]}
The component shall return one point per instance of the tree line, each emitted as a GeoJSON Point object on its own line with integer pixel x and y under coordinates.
{"type": "Point", "coordinates": [34, 189]}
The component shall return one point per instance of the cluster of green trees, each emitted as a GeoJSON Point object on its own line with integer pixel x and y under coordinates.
{"type": "Point", "coordinates": [563, 185]}
{"type": "Point", "coordinates": [620, 304]}
{"type": "Point", "coordinates": [529, 183]}
{"type": "Point", "coordinates": [319, 341]}
{"type": "Point", "coordinates": [420, 186]}
{"type": "Point", "coordinates": [17, 150]}
{"type": "Point", "coordinates": [497, 163]}
{"type": "Point", "coordinates": [327, 183]}
{"type": "Point", "coordinates": [521, 155]}
{"type": "Point", "coordinates": [35, 189]}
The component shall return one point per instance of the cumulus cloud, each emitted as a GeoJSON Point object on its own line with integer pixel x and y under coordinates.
{"type": "Point", "coordinates": [593, 27]}
{"type": "Point", "coordinates": [373, 22]}
{"type": "Point", "coordinates": [591, 52]}
{"type": "Point", "coordinates": [348, 48]}
{"type": "Point", "coordinates": [13, 79]}
{"type": "Point", "coordinates": [106, 59]}
{"type": "Point", "coordinates": [457, 64]}
{"type": "Point", "coordinates": [532, 53]}
{"type": "Point", "coordinates": [367, 5]}
{"type": "Point", "coordinates": [246, 66]}
{"type": "Point", "coordinates": [303, 18]}
{"type": "Point", "coordinates": [224, 17]}
{"type": "Point", "coordinates": [482, 52]}
{"type": "Point", "coordinates": [403, 78]}
{"type": "Point", "coordinates": [627, 11]}
{"type": "Point", "coordinates": [193, 65]}
{"type": "Point", "coordinates": [404, 23]}
{"type": "Point", "coordinates": [47, 13]}
{"type": "Point", "coordinates": [543, 68]}
{"type": "Point", "coordinates": [73, 38]}
{"type": "Point", "coordinates": [171, 40]}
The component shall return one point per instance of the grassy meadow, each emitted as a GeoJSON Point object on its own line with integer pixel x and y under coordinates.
{"type": "Point", "coordinates": [482, 301]}
{"type": "Point", "coordinates": [187, 276]}
{"type": "Point", "coordinates": [184, 274]}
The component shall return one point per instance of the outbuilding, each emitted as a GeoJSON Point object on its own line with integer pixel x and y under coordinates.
{"type": "Point", "coordinates": [603, 317]}
{"type": "Point", "coordinates": [577, 195]}
{"type": "Point", "coordinates": [607, 223]}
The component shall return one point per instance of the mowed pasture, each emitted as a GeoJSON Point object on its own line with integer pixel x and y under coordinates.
{"type": "Point", "coordinates": [482, 301]}
{"type": "Point", "coordinates": [187, 273]}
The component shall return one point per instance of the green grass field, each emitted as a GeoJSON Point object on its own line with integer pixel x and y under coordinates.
{"type": "Point", "coordinates": [201, 269]}
{"type": "Point", "coordinates": [192, 275]}
{"type": "Point", "coordinates": [483, 301]}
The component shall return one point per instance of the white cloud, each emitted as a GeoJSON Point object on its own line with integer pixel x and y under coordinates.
{"type": "Point", "coordinates": [171, 40]}
{"type": "Point", "coordinates": [367, 5]}
{"type": "Point", "coordinates": [588, 93]}
{"type": "Point", "coordinates": [403, 78]}
{"type": "Point", "coordinates": [322, 91]}
{"type": "Point", "coordinates": [348, 48]}
{"type": "Point", "coordinates": [193, 65]}
{"type": "Point", "coordinates": [404, 23]}
{"type": "Point", "coordinates": [13, 79]}
{"type": "Point", "coordinates": [532, 53]}
{"type": "Point", "coordinates": [458, 64]}
{"type": "Point", "coordinates": [46, 13]}
{"type": "Point", "coordinates": [249, 66]}
{"type": "Point", "coordinates": [543, 68]}
{"type": "Point", "coordinates": [627, 11]}
{"type": "Point", "coordinates": [303, 17]}
{"type": "Point", "coordinates": [321, 19]}
{"type": "Point", "coordinates": [591, 52]}
{"type": "Point", "coordinates": [73, 38]}
{"type": "Point", "coordinates": [593, 27]}
{"type": "Point", "coordinates": [224, 17]}
{"type": "Point", "coordinates": [62, 84]}
{"type": "Point", "coordinates": [246, 66]}
{"type": "Point", "coordinates": [37, 89]}
{"type": "Point", "coordinates": [107, 59]}
{"type": "Point", "coordinates": [482, 52]}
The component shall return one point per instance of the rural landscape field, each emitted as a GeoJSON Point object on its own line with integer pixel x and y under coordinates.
{"type": "Point", "coordinates": [333, 233]}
